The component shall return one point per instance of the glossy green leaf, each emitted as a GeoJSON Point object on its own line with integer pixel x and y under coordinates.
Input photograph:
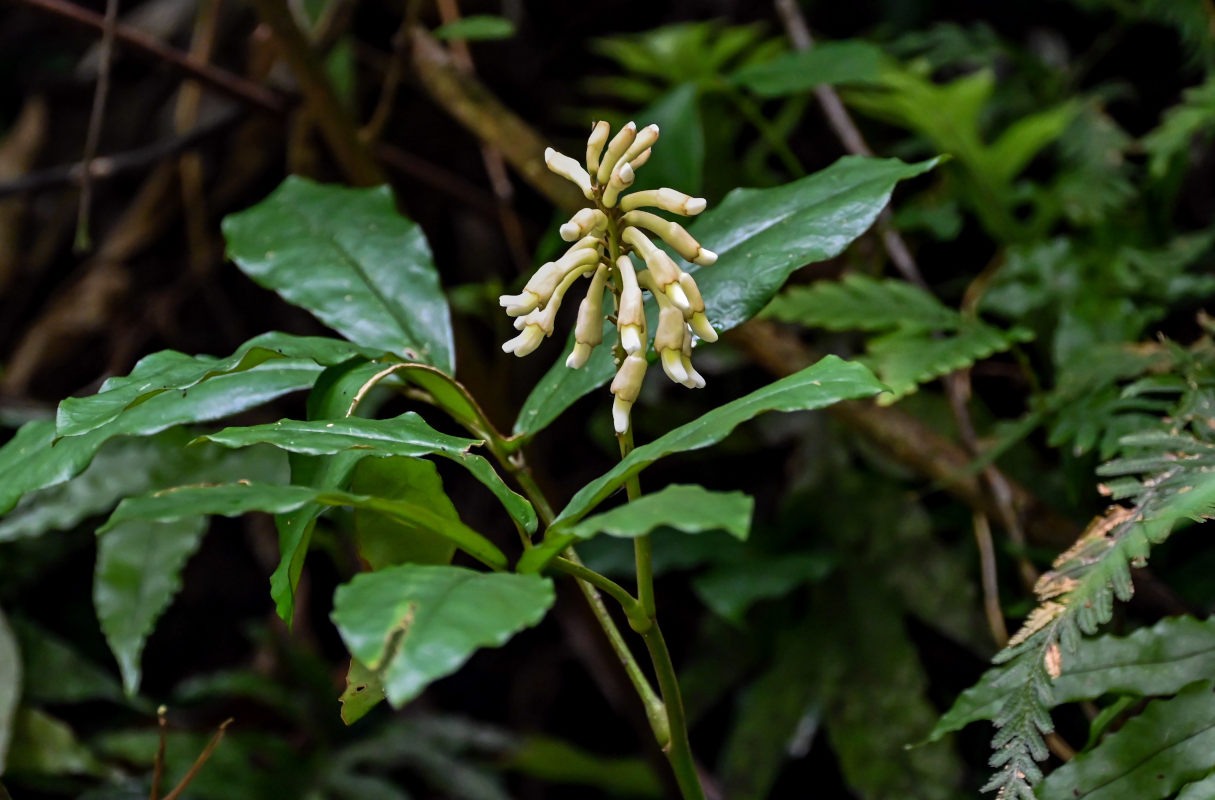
{"type": "Point", "coordinates": [10, 686]}
{"type": "Point", "coordinates": [761, 237]}
{"type": "Point", "coordinates": [829, 381]}
{"type": "Point", "coordinates": [331, 398]}
{"type": "Point", "coordinates": [128, 466]}
{"type": "Point", "coordinates": [831, 63]}
{"type": "Point", "coordinates": [406, 435]}
{"type": "Point", "coordinates": [138, 573]}
{"type": "Point", "coordinates": [347, 256]}
{"type": "Point", "coordinates": [385, 541]}
{"type": "Point", "coordinates": [233, 500]}
{"type": "Point", "coordinates": [691, 509]}
{"type": "Point", "coordinates": [476, 27]}
{"type": "Point", "coordinates": [34, 460]}
{"type": "Point", "coordinates": [1198, 790]}
{"type": "Point", "coordinates": [170, 371]}
{"type": "Point", "coordinates": [1158, 660]}
{"type": "Point", "coordinates": [413, 624]}
{"type": "Point", "coordinates": [1149, 758]}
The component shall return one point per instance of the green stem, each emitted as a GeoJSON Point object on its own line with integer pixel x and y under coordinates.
{"type": "Point", "coordinates": [678, 749]}
{"type": "Point", "coordinates": [571, 566]}
{"type": "Point", "coordinates": [655, 709]}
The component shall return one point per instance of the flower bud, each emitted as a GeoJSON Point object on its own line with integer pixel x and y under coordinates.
{"type": "Point", "coordinates": [545, 280]}
{"type": "Point", "coordinates": [644, 140]}
{"type": "Point", "coordinates": [517, 304]}
{"type": "Point", "coordinates": [626, 386]}
{"type": "Point", "coordinates": [526, 342]}
{"type": "Point", "coordinates": [586, 221]}
{"type": "Point", "coordinates": [673, 234]}
{"type": "Point", "coordinates": [666, 199]}
{"type": "Point", "coordinates": [666, 273]}
{"type": "Point", "coordinates": [569, 169]}
{"type": "Point", "coordinates": [695, 379]}
{"type": "Point", "coordinates": [588, 332]}
{"type": "Point", "coordinates": [668, 341]}
{"type": "Point", "coordinates": [615, 149]}
{"type": "Point", "coordinates": [621, 179]}
{"type": "Point", "coordinates": [630, 319]}
{"type": "Point", "coordinates": [696, 311]}
{"type": "Point", "coordinates": [638, 162]}
{"type": "Point", "coordinates": [594, 144]}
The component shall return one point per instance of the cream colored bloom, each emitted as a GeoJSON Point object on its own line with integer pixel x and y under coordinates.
{"type": "Point", "coordinates": [604, 238]}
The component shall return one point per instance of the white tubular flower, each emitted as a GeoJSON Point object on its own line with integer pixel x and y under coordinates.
{"type": "Point", "coordinates": [626, 386]}
{"type": "Point", "coordinates": [673, 234]}
{"type": "Point", "coordinates": [695, 379]}
{"type": "Point", "coordinates": [668, 342]}
{"type": "Point", "coordinates": [538, 324]}
{"type": "Point", "coordinates": [630, 319]}
{"type": "Point", "coordinates": [614, 222]}
{"type": "Point", "coordinates": [615, 149]}
{"type": "Point", "coordinates": [588, 332]}
{"type": "Point", "coordinates": [666, 199]}
{"type": "Point", "coordinates": [644, 140]}
{"type": "Point", "coordinates": [666, 273]}
{"type": "Point", "coordinates": [569, 169]}
{"type": "Point", "coordinates": [697, 321]}
{"type": "Point", "coordinates": [595, 143]}
{"type": "Point", "coordinates": [621, 179]}
{"type": "Point", "coordinates": [586, 221]}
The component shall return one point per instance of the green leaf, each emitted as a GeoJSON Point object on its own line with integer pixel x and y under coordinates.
{"type": "Point", "coordinates": [829, 381]}
{"type": "Point", "coordinates": [1172, 138]}
{"type": "Point", "coordinates": [138, 572]}
{"type": "Point", "coordinates": [169, 371]}
{"type": "Point", "coordinates": [679, 156]}
{"type": "Point", "coordinates": [385, 541]}
{"type": "Point", "coordinates": [413, 624]}
{"type": "Point", "coordinates": [331, 398]}
{"type": "Point", "coordinates": [10, 686]}
{"type": "Point", "coordinates": [761, 237]}
{"type": "Point", "coordinates": [347, 256]}
{"type": "Point", "coordinates": [363, 692]}
{"type": "Point", "coordinates": [1159, 660]}
{"type": "Point", "coordinates": [233, 500]}
{"type": "Point", "coordinates": [1152, 756]}
{"type": "Point", "coordinates": [44, 745]}
{"type": "Point", "coordinates": [56, 673]}
{"type": "Point", "coordinates": [831, 63]}
{"type": "Point", "coordinates": [33, 459]}
{"type": "Point", "coordinates": [557, 762]}
{"type": "Point", "coordinates": [691, 509]}
{"type": "Point", "coordinates": [904, 360]}
{"type": "Point", "coordinates": [1016, 147]}
{"type": "Point", "coordinates": [406, 435]}
{"type": "Point", "coordinates": [861, 303]}
{"type": "Point", "coordinates": [731, 588]}
{"type": "Point", "coordinates": [128, 466]}
{"type": "Point", "coordinates": [1199, 790]}
{"type": "Point", "coordinates": [475, 28]}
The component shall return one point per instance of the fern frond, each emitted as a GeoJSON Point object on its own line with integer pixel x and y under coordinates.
{"type": "Point", "coordinates": [1174, 473]}
{"type": "Point", "coordinates": [860, 303]}
{"type": "Point", "coordinates": [903, 360]}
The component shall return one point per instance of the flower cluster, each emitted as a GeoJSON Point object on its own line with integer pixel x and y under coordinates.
{"type": "Point", "coordinates": [603, 236]}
